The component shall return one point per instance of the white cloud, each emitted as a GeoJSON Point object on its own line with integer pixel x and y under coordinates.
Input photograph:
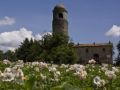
{"type": "Point", "coordinates": [114, 31]}
{"type": "Point", "coordinates": [39, 36]}
{"type": "Point", "coordinates": [7, 48]}
{"type": "Point", "coordinates": [7, 21]}
{"type": "Point", "coordinates": [12, 40]}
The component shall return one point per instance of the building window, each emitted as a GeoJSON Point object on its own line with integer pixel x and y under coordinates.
{"type": "Point", "coordinates": [103, 50]}
{"type": "Point", "coordinates": [87, 50]}
{"type": "Point", "coordinates": [60, 15]}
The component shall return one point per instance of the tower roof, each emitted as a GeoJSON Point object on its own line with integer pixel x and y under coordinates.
{"type": "Point", "coordinates": [59, 7]}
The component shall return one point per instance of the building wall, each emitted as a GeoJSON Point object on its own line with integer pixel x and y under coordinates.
{"type": "Point", "coordinates": [102, 53]}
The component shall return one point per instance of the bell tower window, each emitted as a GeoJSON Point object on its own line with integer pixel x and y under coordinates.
{"type": "Point", "coordinates": [60, 15]}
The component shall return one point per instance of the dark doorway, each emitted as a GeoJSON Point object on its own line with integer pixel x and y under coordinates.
{"type": "Point", "coordinates": [96, 57]}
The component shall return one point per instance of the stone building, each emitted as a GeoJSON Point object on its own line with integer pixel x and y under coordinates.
{"type": "Point", "coordinates": [102, 53]}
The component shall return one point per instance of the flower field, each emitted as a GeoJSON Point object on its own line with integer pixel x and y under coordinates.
{"type": "Point", "coordinates": [44, 76]}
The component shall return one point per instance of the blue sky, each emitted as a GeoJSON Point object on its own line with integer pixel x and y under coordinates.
{"type": "Point", "coordinates": [89, 20]}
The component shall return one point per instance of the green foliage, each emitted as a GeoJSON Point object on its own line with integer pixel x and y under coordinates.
{"type": "Point", "coordinates": [56, 49]}
{"type": "Point", "coordinates": [63, 54]}
{"type": "Point", "coordinates": [118, 57]}
{"type": "Point", "coordinates": [118, 46]}
{"type": "Point", "coordinates": [23, 51]}
{"type": "Point", "coordinates": [35, 51]}
{"type": "Point", "coordinates": [9, 55]}
{"type": "Point", "coordinates": [65, 86]}
{"type": "Point", "coordinates": [29, 83]}
{"type": "Point", "coordinates": [1, 55]}
{"type": "Point", "coordinates": [29, 50]}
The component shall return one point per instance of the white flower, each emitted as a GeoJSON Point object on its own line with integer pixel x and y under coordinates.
{"type": "Point", "coordinates": [76, 73]}
{"type": "Point", "coordinates": [104, 68]}
{"type": "Point", "coordinates": [42, 65]}
{"type": "Point", "coordinates": [35, 63]}
{"type": "Point", "coordinates": [56, 77]}
{"type": "Point", "coordinates": [52, 69]}
{"type": "Point", "coordinates": [105, 65]}
{"type": "Point", "coordinates": [43, 76]}
{"type": "Point", "coordinates": [67, 70]}
{"type": "Point", "coordinates": [37, 69]}
{"type": "Point", "coordinates": [8, 70]}
{"type": "Point", "coordinates": [5, 61]}
{"type": "Point", "coordinates": [98, 82]}
{"type": "Point", "coordinates": [1, 74]}
{"type": "Point", "coordinates": [64, 66]}
{"type": "Point", "coordinates": [81, 73]}
{"type": "Point", "coordinates": [19, 65]}
{"type": "Point", "coordinates": [14, 73]}
{"type": "Point", "coordinates": [19, 73]}
{"type": "Point", "coordinates": [54, 65]}
{"type": "Point", "coordinates": [92, 61]}
{"type": "Point", "coordinates": [77, 67]}
{"type": "Point", "coordinates": [110, 74]}
{"type": "Point", "coordinates": [8, 76]}
{"type": "Point", "coordinates": [58, 73]}
{"type": "Point", "coordinates": [20, 61]}
{"type": "Point", "coordinates": [82, 67]}
{"type": "Point", "coordinates": [115, 69]}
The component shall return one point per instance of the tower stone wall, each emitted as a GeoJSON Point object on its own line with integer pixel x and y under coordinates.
{"type": "Point", "coordinates": [60, 22]}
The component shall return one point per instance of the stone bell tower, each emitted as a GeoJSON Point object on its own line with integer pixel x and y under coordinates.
{"type": "Point", "coordinates": [60, 22]}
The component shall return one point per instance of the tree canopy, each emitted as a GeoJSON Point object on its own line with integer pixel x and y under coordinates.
{"type": "Point", "coordinates": [118, 56]}
{"type": "Point", "coordinates": [51, 48]}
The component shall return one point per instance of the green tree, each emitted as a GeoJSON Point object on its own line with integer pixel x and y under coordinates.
{"type": "Point", "coordinates": [24, 50]}
{"type": "Point", "coordinates": [118, 57]}
{"type": "Point", "coordinates": [10, 55]}
{"type": "Point", "coordinates": [51, 48]}
{"type": "Point", "coordinates": [57, 49]}
{"type": "Point", "coordinates": [46, 45]}
{"type": "Point", "coordinates": [1, 55]}
{"type": "Point", "coordinates": [35, 50]}
{"type": "Point", "coordinates": [29, 50]}
{"type": "Point", "coordinates": [63, 54]}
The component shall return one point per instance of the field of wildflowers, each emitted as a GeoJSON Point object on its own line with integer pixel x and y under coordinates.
{"type": "Point", "coordinates": [45, 76]}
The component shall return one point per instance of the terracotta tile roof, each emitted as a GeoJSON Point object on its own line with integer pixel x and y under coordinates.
{"type": "Point", "coordinates": [93, 45]}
